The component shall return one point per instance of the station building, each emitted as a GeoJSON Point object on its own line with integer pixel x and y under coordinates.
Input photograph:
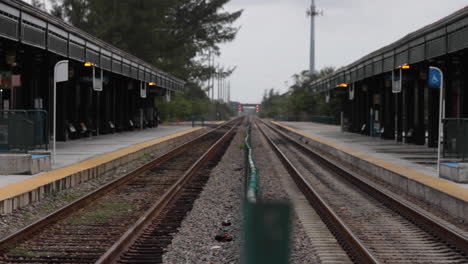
{"type": "Point", "coordinates": [32, 42]}
{"type": "Point", "coordinates": [386, 93]}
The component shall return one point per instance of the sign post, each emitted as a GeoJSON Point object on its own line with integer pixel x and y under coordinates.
{"type": "Point", "coordinates": [351, 91]}
{"type": "Point", "coordinates": [98, 77]}
{"type": "Point", "coordinates": [60, 75]}
{"type": "Point", "coordinates": [436, 81]}
{"type": "Point", "coordinates": [397, 84]}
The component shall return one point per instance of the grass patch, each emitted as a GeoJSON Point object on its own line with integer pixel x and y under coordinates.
{"type": "Point", "coordinates": [27, 253]}
{"type": "Point", "coordinates": [27, 218]}
{"type": "Point", "coordinates": [117, 206]}
{"type": "Point", "coordinates": [57, 197]}
{"type": "Point", "coordinates": [94, 218]}
{"type": "Point", "coordinates": [64, 196]}
{"type": "Point", "coordinates": [241, 146]}
{"type": "Point", "coordinates": [48, 206]}
{"type": "Point", "coordinates": [146, 156]}
{"type": "Point", "coordinates": [68, 197]}
{"type": "Point", "coordinates": [101, 213]}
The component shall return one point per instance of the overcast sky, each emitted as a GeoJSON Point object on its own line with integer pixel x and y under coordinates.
{"type": "Point", "coordinates": [273, 42]}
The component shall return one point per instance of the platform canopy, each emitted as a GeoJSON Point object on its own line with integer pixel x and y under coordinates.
{"type": "Point", "coordinates": [25, 24]}
{"type": "Point", "coordinates": [446, 36]}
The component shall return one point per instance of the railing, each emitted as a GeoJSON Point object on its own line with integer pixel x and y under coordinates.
{"type": "Point", "coordinates": [330, 120]}
{"type": "Point", "coordinates": [198, 121]}
{"type": "Point", "coordinates": [455, 143]}
{"type": "Point", "coordinates": [266, 224]}
{"type": "Point", "coordinates": [23, 130]}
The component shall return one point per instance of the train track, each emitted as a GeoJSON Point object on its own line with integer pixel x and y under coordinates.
{"type": "Point", "coordinates": [371, 224]}
{"type": "Point", "coordinates": [85, 230]}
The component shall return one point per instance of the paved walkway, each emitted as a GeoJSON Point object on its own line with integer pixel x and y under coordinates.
{"type": "Point", "coordinates": [74, 151]}
{"type": "Point", "coordinates": [415, 157]}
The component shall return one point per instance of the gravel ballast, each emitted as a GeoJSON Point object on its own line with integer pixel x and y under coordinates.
{"type": "Point", "coordinates": [219, 201]}
{"type": "Point", "coordinates": [271, 189]}
{"type": "Point", "coordinates": [21, 217]}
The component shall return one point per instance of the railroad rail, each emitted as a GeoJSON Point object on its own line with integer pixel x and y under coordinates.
{"type": "Point", "coordinates": [371, 224]}
{"type": "Point", "coordinates": [85, 229]}
{"type": "Point", "coordinates": [145, 241]}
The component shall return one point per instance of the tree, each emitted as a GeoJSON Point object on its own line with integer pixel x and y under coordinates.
{"type": "Point", "coordinates": [73, 11]}
{"type": "Point", "coordinates": [174, 35]}
{"type": "Point", "coordinates": [56, 10]}
{"type": "Point", "coordinates": [300, 103]}
{"type": "Point", "coordinates": [38, 4]}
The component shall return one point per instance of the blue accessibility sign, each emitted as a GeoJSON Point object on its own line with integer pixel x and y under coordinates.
{"type": "Point", "coordinates": [435, 78]}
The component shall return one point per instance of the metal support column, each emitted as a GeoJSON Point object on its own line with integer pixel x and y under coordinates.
{"type": "Point", "coordinates": [419, 112]}
{"type": "Point", "coordinates": [433, 118]}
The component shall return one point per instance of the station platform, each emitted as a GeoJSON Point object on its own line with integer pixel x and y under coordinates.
{"type": "Point", "coordinates": [410, 167]}
{"type": "Point", "coordinates": [75, 151]}
{"type": "Point", "coordinates": [82, 159]}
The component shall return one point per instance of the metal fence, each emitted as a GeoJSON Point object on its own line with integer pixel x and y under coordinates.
{"type": "Point", "coordinates": [198, 121]}
{"type": "Point", "coordinates": [455, 138]}
{"type": "Point", "coordinates": [266, 227]}
{"type": "Point", "coordinates": [250, 168]}
{"type": "Point", "coordinates": [23, 130]}
{"type": "Point", "coordinates": [330, 120]}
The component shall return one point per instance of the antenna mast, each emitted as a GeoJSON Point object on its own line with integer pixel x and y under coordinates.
{"type": "Point", "coordinates": [313, 12]}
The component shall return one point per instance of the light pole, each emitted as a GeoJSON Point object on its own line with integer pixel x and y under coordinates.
{"type": "Point", "coordinates": [209, 79]}
{"type": "Point", "coordinates": [212, 79]}
{"type": "Point", "coordinates": [229, 91]}
{"type": "Point", "coordinates": [60, 75]}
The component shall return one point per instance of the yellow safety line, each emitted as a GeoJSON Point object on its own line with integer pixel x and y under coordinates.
{"type": "Point", "coordinates": [446, 187]}
{"type": "Point", "coordinates": [33, 183]}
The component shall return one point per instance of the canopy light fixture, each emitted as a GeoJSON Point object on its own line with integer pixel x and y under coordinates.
{"type": "Point", "coordinates": [405, 66]}
{"type": "Point", "coordinates": [89, 64]}
{"type": "Point", "coordinates": [344, 85]}
{"type": "Point", "coordinates": [152, 84]}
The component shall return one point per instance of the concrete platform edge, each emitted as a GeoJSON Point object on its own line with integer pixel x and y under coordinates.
{"type": "Point", "coordinates": [442, 194]}
{"type": "Point", "coordinates": [20, 194]}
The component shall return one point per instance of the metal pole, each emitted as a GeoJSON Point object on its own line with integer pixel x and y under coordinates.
{"type": "Point", "coordinates": [209, 79]}
{"type": "Point", "coordinates": [141, 118]}
{"type": "Point", "coordinates": [403, 134]}
{"type": "Point", "coordinates": [224, 90]}
{"type": "Point", "coordinates": [141, 109]}
{"type": "Point", "coordinates": [97, 103]}
{"type": "Point", "coordinates": [441, 104]}
{"type": "Point", "coordinates": [212, 82]}
{"type": "Point", "coordinates": [396, 108]}
{"type": "Point", "coordinates": [219, 84]}
{"type": "Point", "coordinates": [62, 77]}
{"type": "Point", "coordinates": [98, 112]}
{"type": "Point", "coordinates": [312, 37]}
{"type": "Point", "coordinates": [396, 117]}
{"type": "Point", "coordinates": [54, 127]}
{"type": "Point", "coordinates": [342, 121]}
{"type": "Point", "coordinates": [229, 92]}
